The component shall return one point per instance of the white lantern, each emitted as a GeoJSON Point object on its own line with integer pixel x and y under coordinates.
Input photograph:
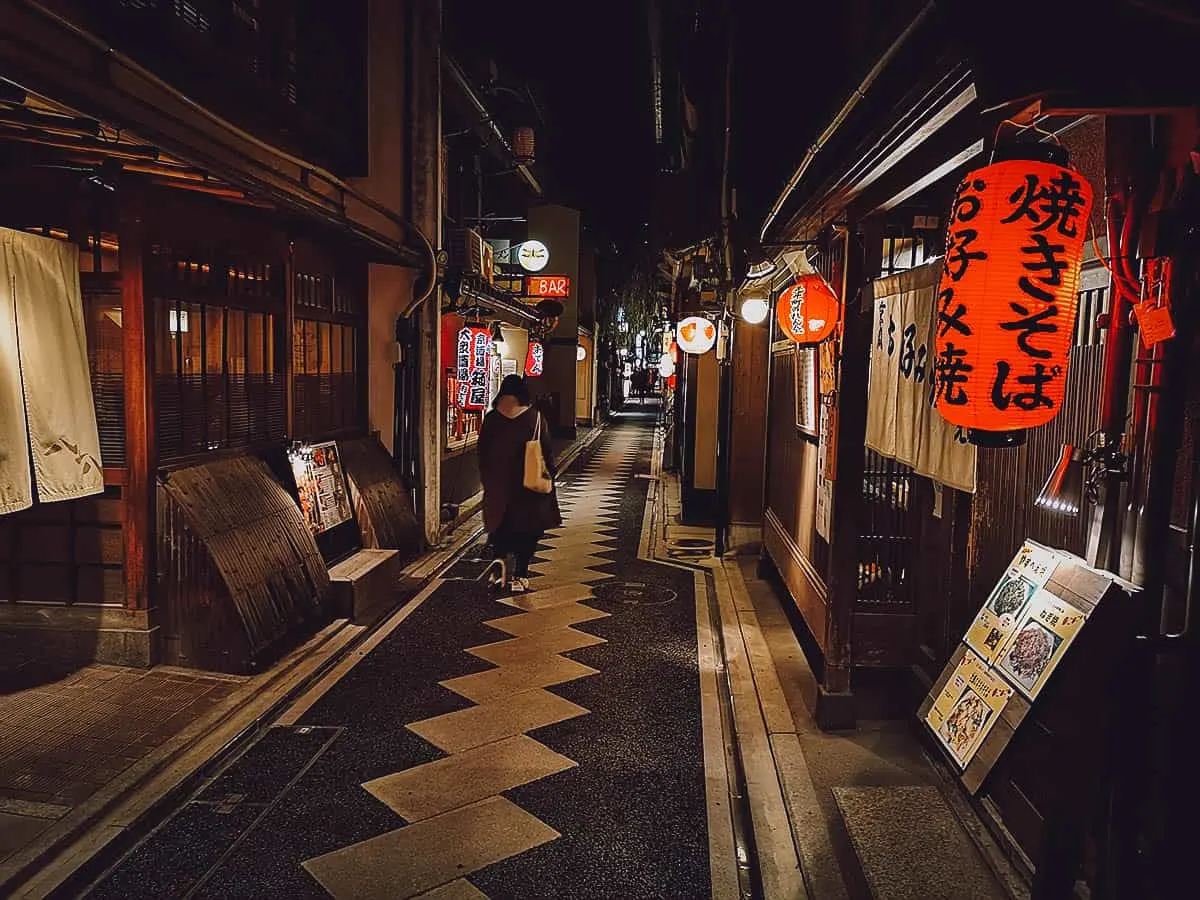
{"type": "Point", "coordinates": [666, 366]}
{"type": "Point", "coordinates": [755, 310]}
{"type": "Point", "coordinates": [580, 352]}
{"type": "Point", "coordinates": [696, 335]}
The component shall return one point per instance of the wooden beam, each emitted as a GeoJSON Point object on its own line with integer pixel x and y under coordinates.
{"type": "Point", "coordinates": [140, 449]}
{"type": "Point", "coordinates": [911, 172]}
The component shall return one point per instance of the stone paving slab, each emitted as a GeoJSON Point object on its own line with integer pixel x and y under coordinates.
{"type": "Point", "coordinates": [64, 739]}
{"type": "Point", "coordinates": [911, 846]}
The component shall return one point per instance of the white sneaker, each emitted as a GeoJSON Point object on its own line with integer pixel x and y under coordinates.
{"type": "Point", "coordinates": [520, 585]}
{"type": "Point", "coordinates": [498, 579]}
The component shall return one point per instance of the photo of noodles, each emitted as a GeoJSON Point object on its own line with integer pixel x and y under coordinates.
{"type": "Point", "coordinates": [1030, 653]}
{"type": "Point", "coordinates": [965, 723]}
{"type": "Point", "coordinates": [1010, 595]}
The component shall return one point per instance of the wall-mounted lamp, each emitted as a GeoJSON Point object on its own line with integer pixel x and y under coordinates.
{"type": "Point", "coordinates": [1063, 491]}
{"type": "Point", "coordinates": [759, 265]}
{"type": "Point", "coordinates": [1078, 474]}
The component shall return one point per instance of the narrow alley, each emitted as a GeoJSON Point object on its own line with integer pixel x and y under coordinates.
{"type": "Point", "coordinates": [544, 745]}
{"type": "Point", "coordinates": [667, 450]}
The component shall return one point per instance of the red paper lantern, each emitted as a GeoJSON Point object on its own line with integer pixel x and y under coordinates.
{"type": "Point", "coordinates": [1007, 298]}
{"type": "Point", "coordinates": [809, 310]}
{"type": "Point", "coordinates": [535, 359]}
{"type": "Point", "coordinates": [473, 351]}
{"type": "Point", "coordinates": [523, 145]}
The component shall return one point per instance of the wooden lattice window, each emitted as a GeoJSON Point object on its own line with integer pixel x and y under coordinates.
{"type": "Point", "coordinates": [326, 387]}
{"type": "Point", "coordinates": [219, 380]}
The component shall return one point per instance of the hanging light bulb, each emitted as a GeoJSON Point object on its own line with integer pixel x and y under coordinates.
{"type": "Point", "coordinates": [755, 309]}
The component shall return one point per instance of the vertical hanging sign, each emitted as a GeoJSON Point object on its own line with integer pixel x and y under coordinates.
{"type": "Point", "coordinates": [473, 350]}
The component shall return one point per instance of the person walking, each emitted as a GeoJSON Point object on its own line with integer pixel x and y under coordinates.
{"type": "Point", "coordinates": [514, 516]}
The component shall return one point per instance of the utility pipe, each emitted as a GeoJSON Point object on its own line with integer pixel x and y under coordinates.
{"type": "Point", "coordinates": [848, 107]}
{"type": "Point", "coordinates": [725, 384]}
{"type": "Point", "coordinates": [128, 63]}
{"type": "Point", "coordinates": [464, 85]}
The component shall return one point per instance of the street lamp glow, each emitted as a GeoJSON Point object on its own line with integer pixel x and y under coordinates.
{"type": "Point", "coordinates": [755, 310]}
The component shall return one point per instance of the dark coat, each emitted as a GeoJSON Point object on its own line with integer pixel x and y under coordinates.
{"type": "Point", "coordinates": [502, 467]}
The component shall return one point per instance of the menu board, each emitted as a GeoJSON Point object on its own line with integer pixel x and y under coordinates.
{"type": "Point", "coordinates": [967, 707]}
{"type": "Point", "coordinates": [321, 484]}
{"type": "Point", "coordinates": [995, 623]}
{"type": "Point", "coordinates": [1040, 639]}
{"type": "Point", "coordinates": [1014, 645]}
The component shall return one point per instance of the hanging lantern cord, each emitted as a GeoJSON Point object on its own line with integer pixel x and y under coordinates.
{"type": "Point", "coordinates": [1022, 128]}
{"type": "Point", "coordinates": [1123, 278]}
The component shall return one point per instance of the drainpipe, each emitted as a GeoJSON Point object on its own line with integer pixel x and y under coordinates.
{"type": "Point", "coordinates": [725, 395]}
{"type": "Point", "coordinates": [843, 114]}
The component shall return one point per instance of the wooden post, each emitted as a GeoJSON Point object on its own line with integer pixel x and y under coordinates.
{"type": "Point", "coordinates": [835, 703]}
{"type": "Point", "coordinates": [285, 345]}
{"type": "Point", "coordinates": [141, 452]}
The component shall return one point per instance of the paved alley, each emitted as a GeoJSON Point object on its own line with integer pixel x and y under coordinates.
{"type": "Point", "coordinates": [545, 745]}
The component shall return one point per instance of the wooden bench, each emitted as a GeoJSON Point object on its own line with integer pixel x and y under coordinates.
{"type": "Point", "coordinates": [364, 584]}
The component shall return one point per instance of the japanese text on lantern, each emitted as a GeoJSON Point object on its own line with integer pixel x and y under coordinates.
{"type": "Point", "coordinates": [474, 352]}
{"type": "Point", "coordinates": [1008, 294]}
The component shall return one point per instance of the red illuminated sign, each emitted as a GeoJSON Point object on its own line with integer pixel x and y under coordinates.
{"type": "Point", "coordinates": [547, 285]}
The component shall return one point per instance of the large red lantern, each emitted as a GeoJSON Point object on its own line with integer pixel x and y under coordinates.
{"type": "Point", "coordinates": [535, 359]}
{"type": "Point", "coordinates": [1007, 298]}
{"type": "Point", "coordinates": [473, 351]}
{"type": "Point", "coordinates": [809, 310]}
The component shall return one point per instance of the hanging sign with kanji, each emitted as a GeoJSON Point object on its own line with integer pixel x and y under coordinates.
{"type": "Point", "coordinates": [474, 350]}
{"type": "Point", "coordinates": [535, 359]}
{"type": "Point", "coordinates": [901, 421]}
{"type": "Point", "coordinates": [1007, 297]}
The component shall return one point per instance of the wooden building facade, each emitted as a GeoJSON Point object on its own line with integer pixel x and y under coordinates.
{"type": "Point", "coordinates": [900, 565]}
{"type": "Point", "coordinates": [242, 245]}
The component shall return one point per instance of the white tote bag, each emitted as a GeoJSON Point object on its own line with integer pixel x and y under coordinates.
{"type": "Point", "coordinates": [537, 474]}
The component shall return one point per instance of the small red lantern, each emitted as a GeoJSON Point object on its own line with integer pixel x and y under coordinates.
{"type": "Point", "coordinates": [1007, 298]}
{"type": "Point", "coordinates": [523, 145]}
{"type": "Point", "coordinates": [535, 359]}
{"type": "Point", "coordinates": [809, 310]}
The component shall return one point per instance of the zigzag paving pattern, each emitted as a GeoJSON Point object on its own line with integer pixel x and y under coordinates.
{"type": "Point", "coordinates": [544, 745]}
{"type": "Point", "coordinates": [467, 784]}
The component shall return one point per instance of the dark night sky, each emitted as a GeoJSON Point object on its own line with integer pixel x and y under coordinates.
{"type": "Point", "coordinates": [591, 70]}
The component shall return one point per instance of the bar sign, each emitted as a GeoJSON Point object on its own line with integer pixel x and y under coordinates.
{"type": "Point", "coordinates": [547, 285]}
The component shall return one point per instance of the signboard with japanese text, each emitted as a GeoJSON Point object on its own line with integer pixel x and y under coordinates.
{"type": "Point", "coordinates": [558, 286]}
{"type": "Point", "coordinates": [997, 620]}
{"type": "Point", "coordinates": [1040, 639]}
{"type": "Point", "coordinates": [1024, 631]}
{"type": "Point", "coordinates": [321, 486]}
{"type": "Point", "coordinates": [901, 420]}
{"type": "Point", "coordinates": [474, 352]}
{"type": "Point", "coordinates": [825, 467]}
{"type": "Point", "coordinates": [967, 707]}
